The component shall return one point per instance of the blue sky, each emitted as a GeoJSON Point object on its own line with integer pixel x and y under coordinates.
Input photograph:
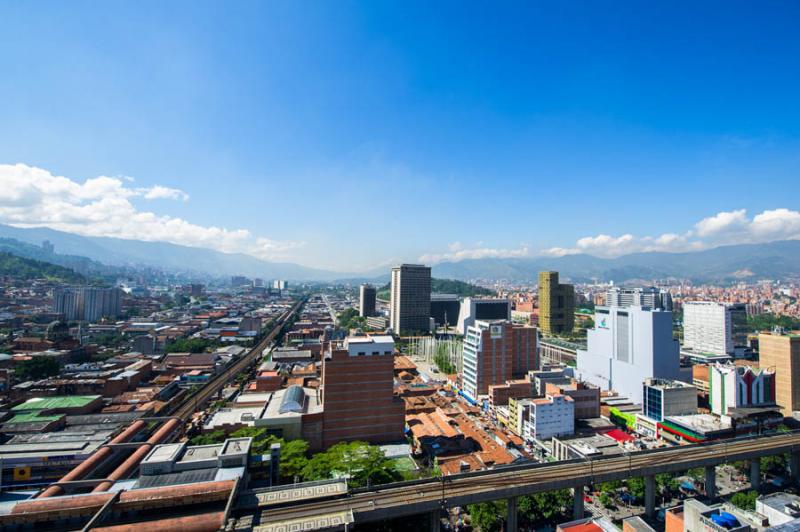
{"type": "Point", "coordinates": [348, 135]}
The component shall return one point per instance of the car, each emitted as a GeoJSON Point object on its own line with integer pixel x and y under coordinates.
{"type": "Point", "coordinates": [586, 498]}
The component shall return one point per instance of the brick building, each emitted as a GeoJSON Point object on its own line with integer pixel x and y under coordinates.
{"type": "Point", "coordinates": [358, 391]}
{"type": "Point", "coordinates": [494, 352]}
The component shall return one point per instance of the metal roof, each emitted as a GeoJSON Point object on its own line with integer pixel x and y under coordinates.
{"type": "Point", "coordinates": [293, 400]}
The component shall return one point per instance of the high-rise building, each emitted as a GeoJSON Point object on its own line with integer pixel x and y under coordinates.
{"type": "Point", "coordinates": [781, 352]}
{"type": "Point", "coordinates": [196, 290]}
{"type": "Point", "coordinates": [101, 303]}
{"type": "Point", "coordinates": [366, 300]}
{"type": "Point", "coordinates": [556, 304]}
{"type": "Point", "coordinates": [482, 308]}
{"type": "Point", "coordinates": [734, 387]}
{"type": "Point", "coordinates": [87, 303]}
{"type": "Point", "coordinates": [665, 397]}
{"type": "Point", "coordinates": [67, 301]}
{"type": "Point", "coordinates": [627, 346]}
{"type": "Point", "coordinates": [280, 284]}
{"type": "Point", "coordinates": [650, 297]}
{"type": "Point", "coordinates": [713, 328]}
{"type": "Point", "coordinates": [410, 305]}
{"type": "Point", "coordinates": [358, 392]}
{"type": "Point", "coordinates": [239, 280]}
{"type": "Point", "coordinates": [494, 352]}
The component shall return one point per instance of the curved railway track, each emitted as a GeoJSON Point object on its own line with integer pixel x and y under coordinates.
{"type": "Point", "coordinates": [407, 498]}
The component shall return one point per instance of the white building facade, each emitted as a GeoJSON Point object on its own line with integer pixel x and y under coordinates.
{"type": "Point", "coordinates": [708, 327]}
{"type": "Point", "coordinates": [548, 417]}
{"type": "Point", "coordinates": [650, 297]}
{"type": "Point", "coordinates": [732, 387]}
{"type": "Point", "coordinates": [627, 346]}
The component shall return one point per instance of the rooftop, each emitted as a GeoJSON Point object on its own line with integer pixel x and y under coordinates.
{"type": "Point", "coordinates": [56, 402]}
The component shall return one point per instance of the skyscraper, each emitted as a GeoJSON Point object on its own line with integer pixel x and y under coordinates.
{"type": "Point", "coordinates": [556, 304]}
{"type": "Point", "coordinates": [410, 307]}
{"type": "Point", "coordinates": [781, 352]}
{"type": "Point", "coordinates": [366, 300]}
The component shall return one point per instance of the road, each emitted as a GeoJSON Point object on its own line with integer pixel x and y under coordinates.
{"type": "Point", "coordinates": [192, 403]}
{"type": "Point", "coordinates": [408, 498]}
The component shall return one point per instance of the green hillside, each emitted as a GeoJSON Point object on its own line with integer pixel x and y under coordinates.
{"type": "Point", "coordinates": [20, 268]}
{"type": "Point", "coordinates": [446, 286]}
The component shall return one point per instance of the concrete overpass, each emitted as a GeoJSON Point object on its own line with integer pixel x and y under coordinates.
{"type": "Point", "coordinates": [431, 495]}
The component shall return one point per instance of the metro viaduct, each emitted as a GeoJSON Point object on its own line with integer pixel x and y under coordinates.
{"type": "Point", "coordinates": [401, 499]}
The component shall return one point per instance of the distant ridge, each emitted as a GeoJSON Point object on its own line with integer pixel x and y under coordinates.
{"type": "Point", "coordinates": [746, 262]}
{"type": "Point", "coordinates": [23, 268]}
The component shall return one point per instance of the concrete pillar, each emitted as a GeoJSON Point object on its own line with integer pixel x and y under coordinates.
{"type": "Point", "coordinates": [577, 502]}
{"type": "Point", "coordinates": [794, 467]}
{"type": "Point", "coordinates": [511, 515]}
{"type": "Point", "coordinates": [649, 495]}
{"type": "Point", "coordinates": [755, 474]}
{"type": "Point", "coordinates": [435, 521]}
{"type": "Point", "coordinates": [711, 482]}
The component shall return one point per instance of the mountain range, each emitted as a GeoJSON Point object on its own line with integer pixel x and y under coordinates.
{"type": "Point", "coordinates": [774, 260]}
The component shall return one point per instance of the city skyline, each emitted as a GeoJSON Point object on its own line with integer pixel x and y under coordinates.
{"type": "Point", "coordinates": [236, 130]}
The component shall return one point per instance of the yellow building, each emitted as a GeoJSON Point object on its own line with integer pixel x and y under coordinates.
{"type": "Point", "coordinates": [556, 305]}
{"type": "Point", "coordinates": [782, 352]}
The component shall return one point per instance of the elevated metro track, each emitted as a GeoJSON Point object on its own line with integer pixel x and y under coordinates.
{"type": "Point", "coordinates": [415, 497]}
{"type": "Point", "coordinates": [191, 404]}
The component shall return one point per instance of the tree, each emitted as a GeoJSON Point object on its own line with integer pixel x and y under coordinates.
{"type": "Point", "coordinates": [361, 463]}
{"type": "Point", "coordinates": [38, 367]}
{"type": "Point", "coordinates": [294, 457]}
{"type": "Point", "coordinates": [190, 345]}
{"type": "Point", "coordinates": [545, 506]}
{"type": "Point", "coordinates": [697, 473]}
{"type": "Point", "coordinates": [487, 516]}
{"type": "Point", "coordinates": [745, 500]}
{"type": "Point", "coordinates": [349, 319]}
{"type": "Point", "coordinates": [636, 487]}
{"type": "Point", "coordinates": [774, 463]}
{"type": "Point", "coordinates": [606, 500]}
{"type": "Point", "coordinates": [666, 483]}
{"type": "Point", "coordinates": [209, 438]}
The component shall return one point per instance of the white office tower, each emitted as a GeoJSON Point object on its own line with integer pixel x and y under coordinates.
{"type": "Point", "coordinates": [709, 327]}
{"type": "Point", "coordinates": [627, 346]}
{"type": "Point", "coordinates": [650, 297]}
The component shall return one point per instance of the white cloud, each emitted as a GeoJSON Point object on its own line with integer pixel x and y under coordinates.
{"type": "Point", "coordinates": [101, 206]}
{"type": "Point", "coordinates": [727, 227]}
{"type": "Point", "coordinates": [722, 222]}
{"type": "Point", "coordinates": [457, 252]}
{"type": "Point", "coordinates": [159, 192]}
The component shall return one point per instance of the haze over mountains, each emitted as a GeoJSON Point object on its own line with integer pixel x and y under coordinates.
{"type": "Point", "coordinates": [775, 260]}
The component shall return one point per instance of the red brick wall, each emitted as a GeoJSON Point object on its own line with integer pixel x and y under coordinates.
{"type": "Point", "coordinates": [359, 401]}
